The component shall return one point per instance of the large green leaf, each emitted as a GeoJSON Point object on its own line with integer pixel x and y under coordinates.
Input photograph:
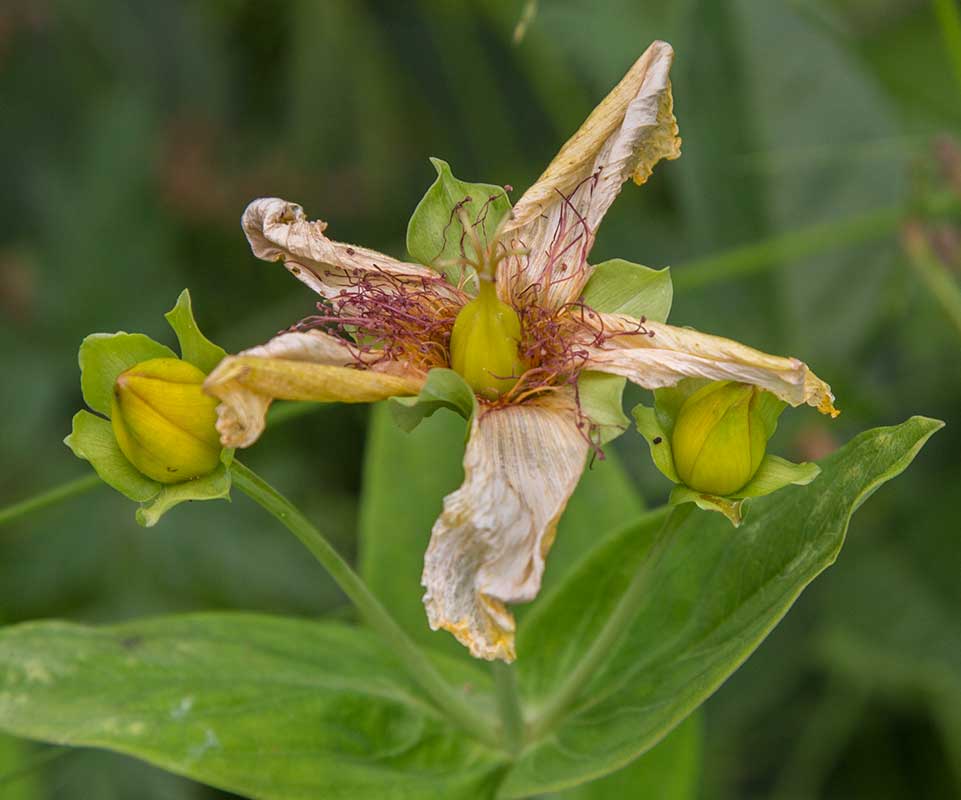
{"type": "Point", "coordinates": [670, 771]}
{"type": "Point", "coordinates": [18, 778]}
{"type": "Point", "coordinates": [715, 596]}
{"type": "Point", "coordinates": [406, 477]}
{"type": "Point", "coordinates": [270, 708]}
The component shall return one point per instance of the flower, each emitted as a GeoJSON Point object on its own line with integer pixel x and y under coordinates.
{"type": "Point", "coordinates": [710, 439]}
{"type": "Point", "coordinates": [163, 422]}
{"type": "Point", "coordinates": [384, 329]}
{"type": "Point", "coordinates": [719, 437]}
{"type": "Point", "coordinates": [153, 437]}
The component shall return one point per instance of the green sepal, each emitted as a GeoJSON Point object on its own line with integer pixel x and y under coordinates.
{"type": "Point", "coordinates": [92, 440]}
{"type": "Point", "coordinates": [443, 388]}
{"type": "Point", "coordinates": [776, 473]}
{"type": "Point", "coordinates": [622, 287]}
{"type": "Point", "coordinates": [434, 234]}
{"type": "Point", "coordinates": [195, 348]}
{"type": "Point", "coordinates": [732, 508]}
{"type": "Point", "coordinates": [619, 287]}
{"type": "Point", "coordinates": [103, 356]}
{"type": "Point", "coordinates": [599, 394]}
{"type": "Point", "coordinates": [658, 439]}
{"type": "Point", "coordinates": [213, 486]}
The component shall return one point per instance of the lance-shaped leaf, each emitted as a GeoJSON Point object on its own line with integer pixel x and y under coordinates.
{"type": "Point", "coordinates": [715, 595]}
{"type": "Point", "coordinates": [268, 708]}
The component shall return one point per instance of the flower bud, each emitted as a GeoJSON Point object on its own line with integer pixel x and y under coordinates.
{"type": "Point", "coordinates": [483, 343]}
{"type": "Point", "coordinates": [719, 438]}
{"type": "Point", "coordinates": [163, 421]}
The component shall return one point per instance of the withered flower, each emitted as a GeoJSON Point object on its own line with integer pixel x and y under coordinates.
{"type": "Point", "coordinates": [383, 325]}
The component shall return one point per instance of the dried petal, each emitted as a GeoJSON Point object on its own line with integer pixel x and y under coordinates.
{"type": "Point", "coordinates": [279, 231]}
{"type": "Point", "coordinates": [296, 366]}
{"type": "Point", "coordinates": [556, 219]}
{"type": "Point", "coordinates": [663, 354]}
{"type": "Point", "coordinates": [489, 544]}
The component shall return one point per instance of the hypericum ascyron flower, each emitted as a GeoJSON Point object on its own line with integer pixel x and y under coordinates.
{"type": "Point", "coordinates": [153, 437]}
{"type": "Point", "coordinates": [163, 421]}
{"type": "Point", "coordinates": [719, 439]}
{"type": "Point", "coordinates": [383, 325]}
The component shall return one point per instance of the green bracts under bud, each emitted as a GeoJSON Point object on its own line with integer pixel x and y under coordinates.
{"type": "Point", "coordinates": [484, 341]}
{"type": "Point", "coordinates": [720, 436]}
{"type": "Point", "coordinates": [163, 421]}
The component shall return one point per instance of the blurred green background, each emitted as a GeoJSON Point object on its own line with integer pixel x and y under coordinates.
{"type": "Point", "coordinates": [132, 135]}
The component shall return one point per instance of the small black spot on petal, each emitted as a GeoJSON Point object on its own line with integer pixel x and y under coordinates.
{"type": "Point", "coordinates": [658, 440]}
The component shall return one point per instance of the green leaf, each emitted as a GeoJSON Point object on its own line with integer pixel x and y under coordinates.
{"type": "Point", "coordinates": [92, 439]}
{"type": "Point", "coordinates": [670, 771]}
{"type": "Point", "coordinates": [715, 596]}
{"type": "Point", "coordinates": [103, 356]}
{"type": "Point", "coordinates": [270, 708]}
{"type": "Point", "coordinates": [194, 346]}
{"type": "Point", "coordinates": [406, 477]}
{"type": "Point", "coordinates": [436, 236]}
{"type": "Point", "coordinates": [620, 287]}
{"type": "Point", "coordinates": [443, 388]}
{"type": "Point", "coordinates": [215, 486]}
{"type": "Point", "coordinates": [18, 770]}
{"type": "Point", "coordinates": [658, 439]}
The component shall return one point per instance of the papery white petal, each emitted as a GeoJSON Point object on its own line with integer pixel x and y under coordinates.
{"type": "Point", "coordinates": [280, 231]}
{"type": "Point", "coordinates": [666, 354]}
{"type": "Point", "coordinates": [489, 544]}
{"type": "Point", "coordinates": [557, 218]}
{"type": "Point", "coordinates": [298, 366]}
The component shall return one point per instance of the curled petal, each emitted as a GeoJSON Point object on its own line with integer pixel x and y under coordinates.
{"type": "Point", "coordinates": [296, 366]}
{"type": "Point", "coordinates": [489, 544]}
{"type": "Point", "coordinates": [665, 354]}
{"type": "Point", "coordinates": [624, 137]}
{"type": "Point", "coordinates": [279, 231]}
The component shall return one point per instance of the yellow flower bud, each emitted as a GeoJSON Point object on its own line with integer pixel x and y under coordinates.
{"type": "Point", "coordinates": [483, 343]}
{"type": "Point", "coordinates": [719, 438]}
{"type": "Point", "coordinates": [163, 421]}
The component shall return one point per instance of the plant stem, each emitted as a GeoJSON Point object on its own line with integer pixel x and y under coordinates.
{"type": "Point", "coordinates": [418, 665]}
{"type": "Point", "coordinates": [942, 285]}
{"type": "Point", "coordinates": [949, 20]}
{"type": "Point", "coordinates": [279, 415]}
{"type": "Point", "coordinates": [52, 496]}
{"type": "Point", "coordinates": [508, 704]}
{"type": "Point", "coordinates": [561, 701]}
{"type": "Point", "coordinates": [809, 241]}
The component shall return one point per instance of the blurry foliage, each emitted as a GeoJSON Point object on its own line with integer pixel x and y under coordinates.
{"type": "Point", "coordinates": [133, 134]}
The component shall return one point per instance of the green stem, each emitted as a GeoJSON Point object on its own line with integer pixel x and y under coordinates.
{"type": "Point", "coordinates": [279, 414]}
{"type": "Point", "coordinates": [52, 496]}
{"type": "Point", "coordinates": [561, 701]}
{"type": "Point", "coordinates": [805, 242]}
{"type": "Point", "coordinates": [949, 20]}
{"type": "Point", "coordinates": [509, 706]}
{"type": "Point", "coordinates": [941, 283]}
{"type": "Point", "coordinates": [418, 665]}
